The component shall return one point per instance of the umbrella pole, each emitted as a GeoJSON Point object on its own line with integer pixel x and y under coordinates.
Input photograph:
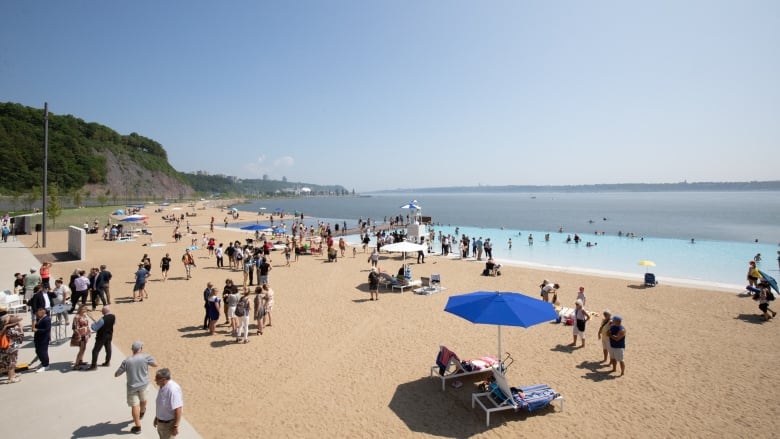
{"type": "Point", "coordinates": [499, 343]}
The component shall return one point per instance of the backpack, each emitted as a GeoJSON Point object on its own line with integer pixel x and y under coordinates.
{"type": "Point", "coordinates": [769, 295]}
{"type": "Point", "coordinates": [241, 308]}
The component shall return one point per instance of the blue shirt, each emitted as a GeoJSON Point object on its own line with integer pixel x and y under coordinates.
{"type": "Point", "coordinates": [615, 330]}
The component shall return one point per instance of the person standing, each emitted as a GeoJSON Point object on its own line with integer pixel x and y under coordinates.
{"type": "Point", "coordinates": [580, 319]}
{"type": "Point", "coordinates": [188, 262]}
{"type": "Point", "coordinates": [104, 329]}
{"type": "Point", "coordinates": [264, 267]}
{"type": "Point", "coordinates": [42, 337]}
{"type": "Point", "coordinates": [373, 283]}
{"type": "Point", "coordinates": [617, 344]}
{"type": "Point", "coordinates": [165, 265]}
{"type": "Point", "coordinates": [139, 289]}
{"type": "Point", "coordinates": [46, 274]}
{"type": "Point", "coordinates": [268, 297]}
{"type": "Point", "coordinates": [170, 405]}
{"type": "Point", "coordinates": [753, 275]}
{"type": "Point", "coordinates": [102, 284]}
{"type": "Point", "coordinates": [220, 254]}
{"type": "Point", "coordinates": [61, 295]}
{"type": "Point", "coordinates": [604, 333]}
{"type": "Point", "coordinates": [243, 309]}
{"type": "Point", "coordinates": [581, 295]}
{"type": "Point", "coordinates": [206, 296]}
{"type": "Point", "coordinates": [30, 281]}
{"type": "Point", "coordinates": [259, 309]}
{"type": "Point", "coordinates": [137, 368]}
{"type": "Point", "coordinates": [213, 308]}
{"type": "Point", "coordinates": [488, 248]}
{"type": "Point", "coordinates": [11, 327]}
{"type": "Point", "coordinates": [80, 289]}
{"type": "Point", "coordinates": [81, 334]}
{"type": "Point", "coordinates": [373, 258]}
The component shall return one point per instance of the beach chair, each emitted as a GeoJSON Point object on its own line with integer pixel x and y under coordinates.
{"type": "Point", "coordinates": [436, 280]}
{"type": "Point", "coordinates": [387, 280]}
{"type": "Point", "coordinates": [650, 280]}
{"type": "Point", "coordinates": [13, 302]}
{"type": "Point", "coordinates": [406, 283]}
{"type": "Point", "coordinates": [501, 397]}
{"type": "Point", "coordinates": [448, 366]}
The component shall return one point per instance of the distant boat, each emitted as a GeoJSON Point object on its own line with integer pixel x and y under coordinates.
{"type": "Point", "coordinates": [533, 197]}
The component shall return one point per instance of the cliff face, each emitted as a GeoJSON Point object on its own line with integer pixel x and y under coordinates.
{"type": "Point", "coordinates": [125, 179]}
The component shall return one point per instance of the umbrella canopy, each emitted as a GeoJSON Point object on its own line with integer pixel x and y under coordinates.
{"type": "Point", "coordinates": [133, 218]}
{"type": "Point", "coordinates": [501, 308]}
{"type": "Point", "coordinates": [118, 212]}
{"type": "Point", "coordinates": [645, 263]}
{"type": "Point", "coordinates": [404, 247]}
{"type": "Point", "coordinates": [279, 230]}
{"type": "Point", "coordinates": [258, 227]}
{"type": "Point", "coordinates": [412, 205]}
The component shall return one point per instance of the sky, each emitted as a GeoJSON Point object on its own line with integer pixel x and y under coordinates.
{"type": "Point", "coordinates": [378, 95]}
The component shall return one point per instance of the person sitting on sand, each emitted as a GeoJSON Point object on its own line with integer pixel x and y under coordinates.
{"type": "Point", "coordinates": [492, 267]}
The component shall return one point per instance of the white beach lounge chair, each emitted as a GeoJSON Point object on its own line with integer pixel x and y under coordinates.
{"type": "Point", "coordinates": [503, 397]}
{"type": "Point", "coordinates": [448, 366]}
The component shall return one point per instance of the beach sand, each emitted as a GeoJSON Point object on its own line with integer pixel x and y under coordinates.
{"type": "Point", "coordinates": [699, 363]}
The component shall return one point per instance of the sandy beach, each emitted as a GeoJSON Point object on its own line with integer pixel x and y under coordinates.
{"type": "Point", "coordinates": [699, 362]}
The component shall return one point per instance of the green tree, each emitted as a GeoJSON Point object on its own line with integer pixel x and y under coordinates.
{"type": "Point", "coordinates": [102, 199]}
{"type": "Point", "coordinates": [76, 197]}
{"type": "Point", "coordinates": [54, 208]}
{"type": "Point", "coordinates": [31, 197]}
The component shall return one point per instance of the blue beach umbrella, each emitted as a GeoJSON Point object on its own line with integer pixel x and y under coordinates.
{"type": "Point", "coordinates": [412, 205]}
{"type": "Point", "coordinates": [134, 218]}
{"type": "Point", "coordinates": [279, 230]}
{"type": "Point", "coordinates": [257, 227]}
{"type": "Point", "coordinates": [770, 280]}
{"type": "Point", "coordinates": [502, 309]}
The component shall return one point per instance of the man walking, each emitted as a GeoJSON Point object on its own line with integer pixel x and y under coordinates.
{"type": "Point", "coordinates": [105, 333]}
{"type": "Point", "coordinates": [170, 404]}
{"type": "Point", "coordinates": [137, 368]}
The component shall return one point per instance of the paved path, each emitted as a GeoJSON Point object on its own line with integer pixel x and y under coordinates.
{"type": "Point", "coordinates": [62, 403]}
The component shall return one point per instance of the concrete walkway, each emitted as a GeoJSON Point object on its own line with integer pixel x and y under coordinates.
{"type": "Point", "coordinates": [63, 403]}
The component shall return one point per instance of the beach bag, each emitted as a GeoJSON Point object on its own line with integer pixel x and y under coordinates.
{"type": "Point", "coordinates": [4, 342]}
{"type": "Point", "coordinates": [241, 308]}
{"type": "Point", "coordinates": [75, 339]}
{"type": "Point", "coordinates": [581, 325]}
{"type": "Point", "coordinates": [769, 296]}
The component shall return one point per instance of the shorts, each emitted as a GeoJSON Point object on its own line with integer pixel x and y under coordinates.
{"type": "Point", "coordinates": [616, 353]}
{"type": "Point", "coordinates": [136, 397]}
{"type": "Point", "coordinates": [231, 312]}
{"type": "Point", "coordinates": [763, 306]}
{"type": "Point", "coordinates": [139, 286]}
{"type": "Point", "coordinates": [576, 331]}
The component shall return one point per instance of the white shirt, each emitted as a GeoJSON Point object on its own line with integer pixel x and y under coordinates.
{"type": "Point", "coordinates": [169, 398]}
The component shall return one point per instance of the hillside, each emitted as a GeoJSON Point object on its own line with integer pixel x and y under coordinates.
{"type": "Point", "coordinates": [83, 156]}
{"type": "Point", "coordinates": [97, 162]}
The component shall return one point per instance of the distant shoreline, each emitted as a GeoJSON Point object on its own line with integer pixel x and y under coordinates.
{"type": "Point", "coordinates": [595, 188]}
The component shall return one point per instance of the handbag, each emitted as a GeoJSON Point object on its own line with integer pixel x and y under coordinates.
{"type": "Point", "coordinates": [5, 343]}
{"type": "Point", "coordinates": [75, 339]}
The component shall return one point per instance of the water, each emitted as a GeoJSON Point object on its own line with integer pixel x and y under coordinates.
{"type": "Point", "coordinates": [725, 226]}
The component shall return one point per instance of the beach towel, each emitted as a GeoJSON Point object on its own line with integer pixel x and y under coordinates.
{"type": "Point", "coordinates": [443, 359]}
{"type": "Point", "coordinates": [533, 397]}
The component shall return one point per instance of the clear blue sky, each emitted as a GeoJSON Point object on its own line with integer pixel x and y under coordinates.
{"type": "Point", "coordinates": [398, 94]}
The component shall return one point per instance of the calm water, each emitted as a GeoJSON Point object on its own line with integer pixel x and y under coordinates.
{"type": "Point", "coordinates": [724, 225]}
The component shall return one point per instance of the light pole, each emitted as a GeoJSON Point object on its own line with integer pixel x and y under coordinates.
{"type": "Point", "coordinates": [45, 166]}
